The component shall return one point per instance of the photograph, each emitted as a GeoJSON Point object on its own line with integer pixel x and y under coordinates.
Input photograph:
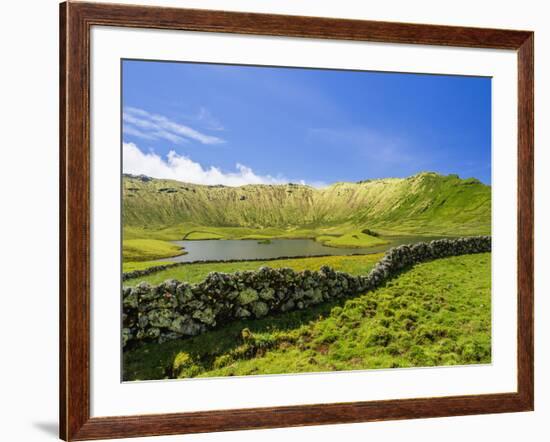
{"type": "Point", "coordinates": [281, 220]}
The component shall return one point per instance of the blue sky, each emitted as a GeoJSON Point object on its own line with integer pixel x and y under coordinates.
{"type": "Point", "coordinates": [219, 124]}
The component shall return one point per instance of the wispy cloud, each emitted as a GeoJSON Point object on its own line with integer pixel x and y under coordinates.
{"type": "Point", "coordinates": [182, 168]}
{"type": "Point", "coordinates": [131, 130]}
{"type": "Point", "coordinates": [147, 130]}
{"type": "Point", "coordinates": [151, 126]}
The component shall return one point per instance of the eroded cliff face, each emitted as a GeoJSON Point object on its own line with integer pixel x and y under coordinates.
{"type": "Point", "coordinates": [426, 202]}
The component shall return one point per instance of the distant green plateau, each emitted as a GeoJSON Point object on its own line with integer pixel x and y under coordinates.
{"type": "Point", "coordinates": [156, 211]}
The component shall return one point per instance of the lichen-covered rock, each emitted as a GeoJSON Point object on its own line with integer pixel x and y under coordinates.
{"type": "Point", "coordinates": [126, 336]}
{"type": "Point", "coordinates": [193, 328]}
{"type": "Point", "coordinates": [152, 333]}
{"type": "Point", "coordinates": [242, 313]}
{"type": "Point", "coordinates": [143, 321]}
{"type": "Point", "coordinates": [179, 324]}
{"type": "Point", "coordinates": [260, 309]}
{"type": "Point", "coordinates": [185, 326]}
{"type": "Point", "coordinates": [161, 318]}
{"type": "Point", "coordinates": [247, 296]}
{"type": "Point", "coordinates": [267, 294]}
{"type": "Point", "coordinates": [205, 316]}
{"type": "Point", "coordinates": [315, 296]}
{"type": "Point", "coordinates": [184, 293]}
{"type": "Point", "coordinates": [129, 299]}
{"type": "Point", "coordinates": [232, 295]}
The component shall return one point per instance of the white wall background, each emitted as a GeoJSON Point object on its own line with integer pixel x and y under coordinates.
{"type": "Point", "coordinates": [29, 204]}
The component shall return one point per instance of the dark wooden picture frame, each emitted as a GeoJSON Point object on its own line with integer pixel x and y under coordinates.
{"type": "Point", "coordinates": [76, 20]}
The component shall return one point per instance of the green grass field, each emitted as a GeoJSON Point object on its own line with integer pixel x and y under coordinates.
{"type": "Point", "coordinates": [353, 239]}
{"type": "Point", "coordinates": [355, 265]}
{"type": "Point", "coordinates": [437, 313]}
{"type": "Point", "coordinates": [148, 249]}
{"type": "Point", "coordinates": [141, 265]}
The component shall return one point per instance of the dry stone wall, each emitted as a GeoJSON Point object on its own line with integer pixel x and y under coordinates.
{"type": "Point", "coordinates": [174, 309]}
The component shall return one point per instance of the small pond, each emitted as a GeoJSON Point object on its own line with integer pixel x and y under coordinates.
{"type": "Point", "coordinates": [232, 250]}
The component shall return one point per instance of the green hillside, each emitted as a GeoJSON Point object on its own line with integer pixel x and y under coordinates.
{"type": "Point", "coordinates": [426, 203]}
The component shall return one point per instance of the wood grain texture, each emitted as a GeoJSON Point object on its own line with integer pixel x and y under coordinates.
{"type": "Point", "coordinates": [257, 418]}
{"type": "Point", "coordinates": [76, 20]}
{"type": "Point", "coordinates": [75, 224]}
{"type": "Point", "coordinates": [298, 26]}
{"type": "Point", "coordinates": [62, 225]}
{"type": "Point", "coordinates": [526, 163]}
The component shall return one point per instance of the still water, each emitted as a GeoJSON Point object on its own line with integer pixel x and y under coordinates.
{"type": "Point", "coordinates": [230, 250]}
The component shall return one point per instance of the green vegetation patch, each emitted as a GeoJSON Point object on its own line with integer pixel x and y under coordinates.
{"type": "Point", "coordinates": [148, 249]}
{"type": "Point", "coordinates": [141, 265]}
{"type": "Point", "coordinates": [196, 272]}
{"type": "Point", "coordinates": [352, 240]}
{"type": "Point", "coordinates": [438, 313]}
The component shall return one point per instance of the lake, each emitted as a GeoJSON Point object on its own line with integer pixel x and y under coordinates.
{"type": "Point", "coordinates": [233, 250]}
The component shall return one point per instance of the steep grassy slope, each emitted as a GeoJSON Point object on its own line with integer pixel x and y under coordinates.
{"type": "Point", "coordinates": [425, 203]}
{"type": "Point", "coordinates": [437, 313]}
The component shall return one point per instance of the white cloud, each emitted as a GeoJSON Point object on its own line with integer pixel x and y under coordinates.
{"type": "Point", "coordinates": [143, 124]}
{"type": "Point", "coordinates": [182, 168]}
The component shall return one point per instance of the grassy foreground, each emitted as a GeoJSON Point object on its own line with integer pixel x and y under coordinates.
{"type": "Point", "coordinates": [437, 313]}
{"type": "Point", "coordinates": [355, 265]}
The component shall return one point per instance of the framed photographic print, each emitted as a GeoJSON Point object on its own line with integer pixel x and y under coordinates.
{"type": "Point", "coordinates": [273, 221]}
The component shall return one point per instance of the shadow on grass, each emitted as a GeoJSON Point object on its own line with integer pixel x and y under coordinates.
{"type": "Point", "coordinates": [154, 361]}
{"type": "Point", "coordinates": [148, 361]}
